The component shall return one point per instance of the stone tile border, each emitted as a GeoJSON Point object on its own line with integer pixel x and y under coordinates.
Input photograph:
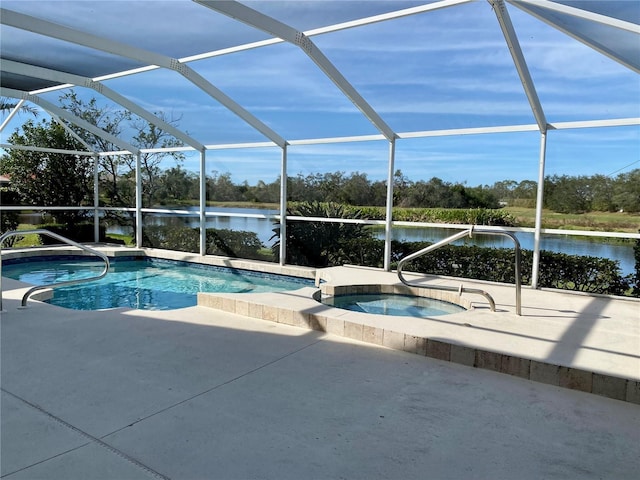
{"type": "Point", "coordinates": [395, 289]}
{"type": "Point", "coordinates": [114, 251]}
{"type": "Point", "coordinates": [575, 379]}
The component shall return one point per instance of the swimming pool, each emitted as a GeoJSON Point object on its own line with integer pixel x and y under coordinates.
{"type": "Point", "coordinates": [140, 282]}
{"type": "Point", "coordinates": [393, 304]}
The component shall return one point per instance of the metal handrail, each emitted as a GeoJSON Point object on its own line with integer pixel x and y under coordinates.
{"type": "Point", "coordinates": [41, 231]}
{"type": "Point", "coordinates": [462, 289]}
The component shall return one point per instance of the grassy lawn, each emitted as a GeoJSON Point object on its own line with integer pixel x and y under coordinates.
{"type": "Point", "coordinates": [599, 221]}
{"type": "Point", "coordinates": [28, 240]}
{"type": "Point", "coordinates": [33, 239]}
{"type": "Point", "coordinates": [128, 240]}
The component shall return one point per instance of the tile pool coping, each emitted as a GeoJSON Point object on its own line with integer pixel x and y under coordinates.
{"type": "Point", "coordinates": [123, 253]}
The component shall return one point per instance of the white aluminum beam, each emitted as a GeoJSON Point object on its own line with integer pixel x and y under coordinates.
{"type": "Point", "coordinates": [388, 217]}
{"type": "Point", "coordinates": [282, 248]}
{"type": "Point", "coordinates": [537, 235]}
{"type": "Point", "coordinates": [581, 38]}
{"type": "Point", "coordinates": [62, 113]}
{"type": "Point", "coordinates": [42, 27]}
{"type": "Point", "coordinates": [329, 140]}
{"type": "Point", "coordinates": [138, 201]}
{"type": "Point", "coordinates": [32, 148]}
{"type": "Point", "coordinates": [387, 16]}
{"type": "Point", "coordinates": [202, 208]}
{"type": "Point", "coordinates": [57, 76]}
{"type": "Point", "coordinates": [332, 28]}
{"type": "Point", "coordinates": [272, 41]}
{"type": "Point", "coordinates": [470, 131]}
{"type": "Point", "coordinates": [231, 146]}
{"type": "Point", "coordinates": [511, 38]}
{"type": "Point", "coordinates": [276, 28]}
{"type": "Point", "coordinates": [613, 122]}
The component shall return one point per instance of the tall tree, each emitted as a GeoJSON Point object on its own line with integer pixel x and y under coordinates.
{"type": "Point", "coordinates": [565, 194]}
{"type": "Point", "coordinates": [117, 172]}
{"type": "Point", "coordinates": [627, 191]}
{"type": "Point", "coordinates": [177, 184]}
{"type": "Point", "coordinates": [49, 179]}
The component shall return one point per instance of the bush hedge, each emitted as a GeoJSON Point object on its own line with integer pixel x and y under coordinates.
{"type": "Point", "coordinates": [228, 243]}
{"type": "Point", "coordinates": [557, 270]}
{"type": "Point", "coordinates": [9, 220]}
{"type": "Point", "coordinates": [80, 232]}
{"type": "Point", "coordinates": [468, 216]}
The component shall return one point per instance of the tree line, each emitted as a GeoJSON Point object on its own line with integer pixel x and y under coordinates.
{"type": "Point", "coordinates": [563, 194]}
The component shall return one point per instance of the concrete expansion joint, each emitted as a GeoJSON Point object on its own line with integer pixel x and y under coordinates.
{"type": "Point", "coordinates": [88, 436]}
{"type": "Point", "coordinates": [211, 389]}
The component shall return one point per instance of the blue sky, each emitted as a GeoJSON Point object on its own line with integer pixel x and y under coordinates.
{"type": "Point", "coordinates": [445, 69]}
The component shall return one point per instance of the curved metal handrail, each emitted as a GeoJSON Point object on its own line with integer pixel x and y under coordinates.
{"type": "Point", "coordinates": [41, 231]}
{"type": "Point", "coordinates": [516, 262]}
{"type": "Point", "coordinates": [462, 289]}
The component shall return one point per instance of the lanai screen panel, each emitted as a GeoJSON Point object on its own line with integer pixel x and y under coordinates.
{"type": "Point", "coordinates": [443, 69]}
{"type": "Point", "coordinates": [618, 39]}
{"type": "Point", "coordinates": [283, 87]}
{"type": "Point", "coordinates": [575, 82]}
{"type": "Point", "coordinates": [471, 159]}
{"type": "Point", "coordinates": [420, 72]}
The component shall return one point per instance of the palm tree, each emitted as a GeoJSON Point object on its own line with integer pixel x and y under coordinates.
{"type": "Point", "coordinates": [8, 104]}
{"type": "Point", "coordinates": [320, 244]}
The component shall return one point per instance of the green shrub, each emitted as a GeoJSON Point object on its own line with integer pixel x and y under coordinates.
{"type": "Point", "coordinates": [361, 251]}
{"type": "Point", "coordinates": [234, 243]}
{"type": "Point", "coordinates": [80, 232]}
{"type": "Point", "coordinates": [182, 239]}
{"type": "Point", "coordinates": [470, 216]}
{"type": "Point", "coordinates": [581, 273]}
{"type": "Point", "coordinates": [320, 244]}
{"type": "Point", "coordinates": [557, 270]}
{"type": "Point", "coordinates": [229, 243]}
{"type": "Point", "coordinates": [9, 220]}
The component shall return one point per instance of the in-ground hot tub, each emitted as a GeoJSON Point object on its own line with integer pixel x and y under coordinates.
{"type": "Point", "coordinates": [394, 300]}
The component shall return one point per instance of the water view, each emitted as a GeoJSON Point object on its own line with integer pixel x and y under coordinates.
{"type": "Point", "coordinates": [263, 227]}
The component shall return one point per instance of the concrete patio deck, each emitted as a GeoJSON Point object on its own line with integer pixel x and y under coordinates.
{"type": "Point", "coordinates": [204, 393]}
{"type": "Point", "coordinates": [577, 341]}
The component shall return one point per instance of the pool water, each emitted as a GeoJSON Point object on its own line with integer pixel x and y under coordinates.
{"type": "Point", "coordinates": [393, 304]}
{"type": "Point", "coordinates": [146, 284]}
